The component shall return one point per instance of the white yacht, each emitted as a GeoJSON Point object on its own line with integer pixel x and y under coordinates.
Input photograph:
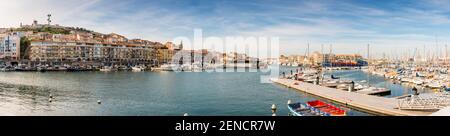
{"type": "Point", "coordinates": [137, 68]}
{"type": "Point", "coordinates": [108, 69]}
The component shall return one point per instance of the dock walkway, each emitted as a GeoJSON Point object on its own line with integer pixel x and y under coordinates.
{"type": "Point", "coordinates": [373, 104]}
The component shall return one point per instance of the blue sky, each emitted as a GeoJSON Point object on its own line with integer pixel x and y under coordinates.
{"type": "Point", "coordinates": [393, 27]}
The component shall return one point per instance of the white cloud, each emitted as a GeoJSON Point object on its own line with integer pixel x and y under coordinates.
{"type": "Point", "coordinates": [348, 26]}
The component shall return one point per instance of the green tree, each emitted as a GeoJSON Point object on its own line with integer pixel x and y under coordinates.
{"type": "Point", "coordinates": [24, 44]}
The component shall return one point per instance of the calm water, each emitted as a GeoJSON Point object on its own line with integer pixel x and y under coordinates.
{"type": "Point", "coordinates": [143, 93]}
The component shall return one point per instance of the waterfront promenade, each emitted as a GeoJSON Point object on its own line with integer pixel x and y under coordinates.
{"type": "Point", "coordinates": [373, 104]}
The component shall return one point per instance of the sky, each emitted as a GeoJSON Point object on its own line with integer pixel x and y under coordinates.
{"type": "Point", "coordinates": [394, 28]}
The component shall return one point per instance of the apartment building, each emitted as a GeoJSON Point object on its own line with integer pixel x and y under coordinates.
{"type": "Point", "coordinates": [10, 47]}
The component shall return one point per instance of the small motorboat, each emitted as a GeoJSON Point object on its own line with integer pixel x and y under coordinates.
{"type": "Point", "coordinates": [315, 108]}
{"type": "Point", "coordinates": [137, 68]}
{"type": "Point", "coordinates": [327, 108]}
{"type": "Point", "coordinates": [301, 109]}
{"type": "Point", "coordinates": [434, 85]}
{"type": "Point", "coordinates": [108, 69]}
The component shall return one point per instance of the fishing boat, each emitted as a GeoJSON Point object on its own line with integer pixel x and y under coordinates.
{"type": "Point", "coordinates": [329, 109]}
{"type": "Point", "coordinates": [301, 109]}
{"type": "Point", "coordinates": [315, 108]}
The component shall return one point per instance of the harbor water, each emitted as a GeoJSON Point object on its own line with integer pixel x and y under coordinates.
{"type": "Point", "coordinates": [154, 93]}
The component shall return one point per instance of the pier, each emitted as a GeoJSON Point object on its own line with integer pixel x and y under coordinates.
{"type": "Point", "coordinates": [374, 92]}
{"type": "Point", "coordinates": [372, 104]}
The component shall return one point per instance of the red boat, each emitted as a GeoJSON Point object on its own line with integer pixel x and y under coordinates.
{"type": "Point", "coordinates": [327, 108]}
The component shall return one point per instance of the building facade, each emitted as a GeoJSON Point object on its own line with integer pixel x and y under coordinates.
{"type": "Point", "coordinates": [10, 47]}
{"type": "Point", "coordinates": [51, 51]}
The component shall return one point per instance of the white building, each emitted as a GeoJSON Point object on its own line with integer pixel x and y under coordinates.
{"type": "Point", "coordinates": [10, 47]}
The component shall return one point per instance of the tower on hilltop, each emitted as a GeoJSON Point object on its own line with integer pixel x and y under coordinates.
{"type": "Point", "coordinates": [49, 18]}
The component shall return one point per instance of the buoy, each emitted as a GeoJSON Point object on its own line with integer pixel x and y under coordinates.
{"type": "Point", "coordinates": [289, 101]}
{"type": "Point", "coordinates": [99, 102]}
{"type": "Point", "coordinates": [49, 99]}
{"type": "Point", "coordinates": [186, 114]}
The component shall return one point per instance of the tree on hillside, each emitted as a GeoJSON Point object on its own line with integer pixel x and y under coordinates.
{"type": "Point", "coordinates": [24, 45]}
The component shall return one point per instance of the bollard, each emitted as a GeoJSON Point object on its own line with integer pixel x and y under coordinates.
{"type": "Point", "coordinates": [351, 87]}
{"type": "Point", "coordinates": [274, 108]}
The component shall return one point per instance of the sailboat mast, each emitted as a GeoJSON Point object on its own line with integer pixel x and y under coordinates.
{"type": "Point", "coordinates": [323, 55]}
{"type": "Point", "coordinates": [368, 54]}
{"type": "Point", "coordinates": [445, 59]}
{"type": "Point", "coordinates": [329, 56]}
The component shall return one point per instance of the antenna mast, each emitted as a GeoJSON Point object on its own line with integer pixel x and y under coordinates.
{"type": "Point", "coordinates": [49, 18]}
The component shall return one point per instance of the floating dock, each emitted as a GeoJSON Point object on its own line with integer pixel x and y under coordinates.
{"type": "Point", "coordinates": [372, 104]}
{"type": "Point", "coordinates": [376, 92]}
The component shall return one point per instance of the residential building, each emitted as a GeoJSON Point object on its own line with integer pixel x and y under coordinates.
{"type": "Point", "coordinates": [64, 52]}
{"type": "Point", "coordinates": [10, 47]}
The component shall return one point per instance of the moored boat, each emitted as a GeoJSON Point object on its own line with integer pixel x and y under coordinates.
{"type": "Point", "coordinates": [315, 108]}
{"type": "Point", "coordinates": [137, 68]}
{"type": "Point", "coordinates": [108, 69]}
{"type": "Point", "coordinates": [301, 109]}
{"type": "Point", "coordinates": [327, 108]}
